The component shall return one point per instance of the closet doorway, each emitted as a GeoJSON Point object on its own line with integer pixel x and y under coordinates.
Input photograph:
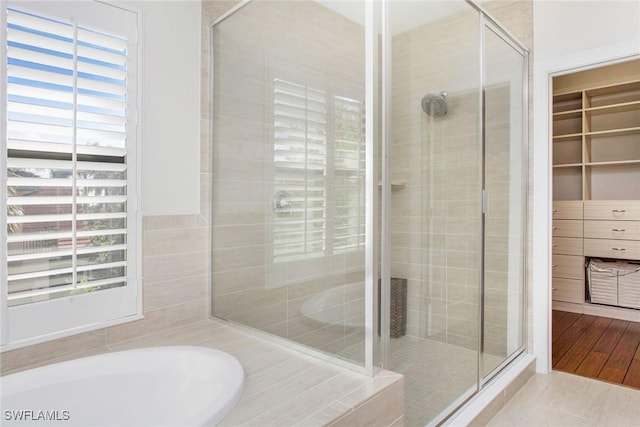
{"type": "Point", "coordinates": [596, 223]}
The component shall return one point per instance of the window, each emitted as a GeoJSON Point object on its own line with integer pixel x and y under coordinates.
{"type": "Point", "coordinates": [71, 211]}
{"type": "Point", "coordinates": [318, 172]}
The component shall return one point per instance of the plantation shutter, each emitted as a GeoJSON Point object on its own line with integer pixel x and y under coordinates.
{"type": "Point", "coordinates": [349, 173]}
{"type": "Point", "coordinates": [319, 172]}
{"type": "Point", "coordinates": [300, 162]}
{"type": "Point", "coordinates": [69, 151]}
{"type": "Point", "coordinates": [66, 166]}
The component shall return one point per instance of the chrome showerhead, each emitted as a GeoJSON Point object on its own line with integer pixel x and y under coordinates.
{"type": "Point", "coordinates": [435, 105]}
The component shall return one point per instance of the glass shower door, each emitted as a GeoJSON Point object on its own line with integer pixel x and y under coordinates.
{"type": "Point", "coordinates": [435, 201]}
{"type": "Point", "coordinates": [289, 173]}
{"type": "Point", "coordinates": [505, 195]}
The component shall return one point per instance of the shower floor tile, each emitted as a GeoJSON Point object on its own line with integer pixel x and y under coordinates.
{"type": "Point", "coordinates": [436, 375]}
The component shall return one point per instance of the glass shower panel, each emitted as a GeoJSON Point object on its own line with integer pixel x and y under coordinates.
{"type": "Point", "coordinates": [436, 215]}
{"type": "Point", "coordinates": [505, 179]}
{"type": "Point", "coordinates": [288, 164]}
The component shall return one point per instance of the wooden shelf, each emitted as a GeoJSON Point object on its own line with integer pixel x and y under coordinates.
{"type": "Point", "coordinates": [613, 163]}
{"type": "Point", "coordinates": [567, 103]}
{"type": "Point", "coordinates": [613, 132]}
{"type": "Point", "coordinates": [614, 108]}
{"type": "Point", "coordinates": [568, 165]}
{"type": "Point", "coordinates": [596, 141]}
{"type": "Point", "coordinates": [628, 86]}
{"type": "Point", "coordinates": [567, 96]}
{"type": "Point", "coordinates": [565, 115]}
{"type": "Point", "coordinates": [567, 136]}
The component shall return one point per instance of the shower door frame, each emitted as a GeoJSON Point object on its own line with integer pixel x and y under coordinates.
{"type": "Point", "coordinates": [489, 23]}
{"type": "Point", "coordinates": [485, 20]}
{"type": "Point", "coordinates": [377, 348]}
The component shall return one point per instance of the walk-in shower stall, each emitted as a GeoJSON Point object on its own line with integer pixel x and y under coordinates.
{"type": "Point", "coordinates": [369, 187]}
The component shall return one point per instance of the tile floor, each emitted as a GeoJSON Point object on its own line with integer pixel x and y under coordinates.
{"type": "Point", "coordinates": [564, 400]}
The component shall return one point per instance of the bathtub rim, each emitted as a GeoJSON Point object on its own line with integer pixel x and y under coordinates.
{"type": "Point", "coordinates": [29, 379]}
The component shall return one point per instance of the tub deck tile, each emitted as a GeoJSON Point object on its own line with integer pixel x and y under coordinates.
{"type": "Point", "coordinates": [283, 387]}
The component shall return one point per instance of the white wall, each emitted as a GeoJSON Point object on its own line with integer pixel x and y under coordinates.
{"type": "Point", "coordinates": [567, 35]}
{"type": "Point", "coordinates": [171, 106]}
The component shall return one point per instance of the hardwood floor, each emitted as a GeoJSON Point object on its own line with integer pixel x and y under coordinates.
{"type": "Point", "coordinates": [596, 347]}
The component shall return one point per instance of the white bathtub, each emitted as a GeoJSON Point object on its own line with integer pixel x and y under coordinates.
{"type": "Point", "coordinates": [318, 309]}
{"type": "Point", "coordinates": [159, 386]}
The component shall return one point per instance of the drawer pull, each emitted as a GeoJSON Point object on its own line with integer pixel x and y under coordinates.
{"type": "Point", "coordinates": [554, 228]}
{"type": "Point", "coordinates": [618, 229]}
{"type": "Point", "coordinates": [554, 246]}
{"type": "Point", "coordinates": [618, 249]}
{"type": "Point", "coordinates": [618, 210]}
{"type": "Point", "coordinates": [553, 266]}
{"type": "Point", "coordinates": [554, 211]}
{"type": "Point", "coordinates": [555, 289]}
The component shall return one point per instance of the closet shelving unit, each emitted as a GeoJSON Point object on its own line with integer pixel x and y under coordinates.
{"type": "Point", "coordinates": [596, 186]}
{"type": "Point", "coordinates": [596, 143]}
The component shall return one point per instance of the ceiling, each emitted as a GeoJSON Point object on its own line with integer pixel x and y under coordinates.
{"type": "Point", "coordinates": [404, 15]}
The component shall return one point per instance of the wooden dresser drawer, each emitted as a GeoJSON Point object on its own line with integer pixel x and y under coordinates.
{"type": "Point", "coordinates": [570, 209]}
{"type": "Point", "coordinates": [567, 246]}
{"type": "Point", "coordinates": [567, 228]}
{"type": "Point", "coordinates": [568, 290]}
{"type": "Point", "coordinates": [568, 266]}
{"type": "Point", "coordinates": [609, 248]}
{"type": "Point", "coordinates": [618, 210]}
{"type": "Point", "coordinates": [626, 230]}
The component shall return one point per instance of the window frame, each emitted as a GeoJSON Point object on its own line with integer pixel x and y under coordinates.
{"type": "Point", "coordinates": [17, 326]}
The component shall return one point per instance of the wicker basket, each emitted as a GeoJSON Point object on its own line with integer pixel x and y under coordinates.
{"type": "Point", "coordinates": [398, 307]}
{"type": "Point", "coordinates": [614, 283]}
{"type": "Point", "coordinates": [629, 285]}
{"type": "Point", "coordinates": [603, 282]}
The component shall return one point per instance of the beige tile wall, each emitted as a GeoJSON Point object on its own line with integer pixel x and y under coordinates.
{"type": "Point", "coordinates": [175, 292]}
{"type": "Point", "coordinates": [435, 218]}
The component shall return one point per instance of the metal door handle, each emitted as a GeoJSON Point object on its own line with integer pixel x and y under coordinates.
{"type": "Point", "coordinates": [618, 210]}
{"type": "Point", "coordinates": [618, 229]}
{"type": "Point", "coordinates": [619, 249]}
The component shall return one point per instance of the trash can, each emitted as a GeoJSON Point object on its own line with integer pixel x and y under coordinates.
{"type": "Point", "coordinates": [397, 307]}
